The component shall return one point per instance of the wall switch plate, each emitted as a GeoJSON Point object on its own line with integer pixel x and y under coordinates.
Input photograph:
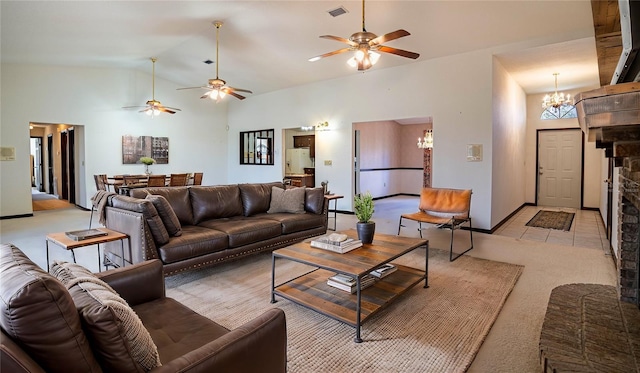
{"type": "Point", "coordinates": [327, 162]}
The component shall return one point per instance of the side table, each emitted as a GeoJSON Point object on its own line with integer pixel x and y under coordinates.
{"type": "Point", "coordinates": [335, 198]}
{"type": "Point", "coordinates": [67, 243]}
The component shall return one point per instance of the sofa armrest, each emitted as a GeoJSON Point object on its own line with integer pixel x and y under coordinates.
{"type": "Point", "coordinates": [260, 345]}
{"type": "Point", "coordinates": [132, 223]}
{"type": "Point", "coordinates": [14, 359]}
{"type": "Point", "coordinates": [138, 283]}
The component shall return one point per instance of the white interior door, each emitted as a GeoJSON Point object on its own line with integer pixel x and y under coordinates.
{"type": "Point", "coordinates": [560, 168]}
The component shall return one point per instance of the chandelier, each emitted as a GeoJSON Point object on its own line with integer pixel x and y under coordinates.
{"type": "Point", "coordinates": [556, 99]}
{"type": "Point", "coordinates": [427, 141]}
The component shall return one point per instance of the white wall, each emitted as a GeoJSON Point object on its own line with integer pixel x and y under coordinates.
{"type": "Point", "coordinates": [455, 91]}
{"type": "Point", "coordinates": [94, 98]}
{"type": "Point", "coordinates": [509, 137]}
{"type": "Point", "coordinates": [592, 156]}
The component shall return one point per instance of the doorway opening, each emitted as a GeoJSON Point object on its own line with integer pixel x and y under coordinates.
{"type": "Point", "coordinates": [57, 165]}
{"type": "Point", "coordinates": [387, 159]}
{"type": "Point", "coordinates": [299, 150]}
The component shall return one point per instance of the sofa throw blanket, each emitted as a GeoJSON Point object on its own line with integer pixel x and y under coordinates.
{"type": "Point", "coordinates": [99, 201]}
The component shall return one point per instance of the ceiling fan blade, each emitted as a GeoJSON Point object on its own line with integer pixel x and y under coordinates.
{"type": "Point", "coordinates": [206, 95]}
{"type": "Point", "coordinates": [313, 59]}
{"type": "Point", "coordinates": [178, 89]}
{"type": "Point", "coordinates": [171, 108]}
{"type": "Point", "coordinates": [166, 110]}
{"type": "Point", "coordinates": [235, 95]}
{"type": "Point", "coordinates": [133, 107]}
{"type": "Point", "coordinates": [340, 39]}
{"type": "Point", "coordinates": [388, 37]}
{"type": "Point", "coordinates": [399, 52]}
{"type": "Point", "coordinates": [239, 89]}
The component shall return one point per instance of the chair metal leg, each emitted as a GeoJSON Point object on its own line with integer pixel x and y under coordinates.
{"type": "Point", "coordinates": [91, 217]}
{"type": "Point", "coordinates": [451, 257]}
{"type": "Point", "coordinates": [400, 225]}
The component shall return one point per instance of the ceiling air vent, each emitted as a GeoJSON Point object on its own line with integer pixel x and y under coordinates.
{"type": "Point", "coordinates": [337, 11]}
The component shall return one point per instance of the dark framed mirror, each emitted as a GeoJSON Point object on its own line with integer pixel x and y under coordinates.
{"type": "Point", "coordinates": [256, 147]}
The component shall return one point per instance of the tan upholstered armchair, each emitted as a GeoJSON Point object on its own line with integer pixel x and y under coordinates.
{"type": "Point", "coordinates": [443, 208]}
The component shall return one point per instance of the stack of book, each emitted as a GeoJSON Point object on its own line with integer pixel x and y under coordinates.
{"type": "Point", "coordinates": [384, 271]}
{"type": "Point", "coordinates": [348, 283]}
{"type": "Point", "coordinates": [336, 242]}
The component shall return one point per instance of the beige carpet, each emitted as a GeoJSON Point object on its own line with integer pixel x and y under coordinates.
{"type": "Point", "coordinates": [438, 329]}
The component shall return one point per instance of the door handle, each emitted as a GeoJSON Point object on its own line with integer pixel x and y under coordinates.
{"type": "Point", "coordinates": [541, 173]}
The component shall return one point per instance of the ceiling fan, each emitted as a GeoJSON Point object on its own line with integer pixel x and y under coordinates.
{"type": "Point", "coordinates": [154, 107]}
{"type": "Point", "coordinates": [365, 44]}
{"type": "Point", "coordinates": [217, 87]}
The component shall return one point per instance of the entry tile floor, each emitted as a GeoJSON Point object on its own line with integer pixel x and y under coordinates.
{"type": "Point", "coordinates": [587, 229]}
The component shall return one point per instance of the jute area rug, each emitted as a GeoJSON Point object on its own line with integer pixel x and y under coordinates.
{"type": "Point", "coordinates": [552, 220]}
{"type": "Point", "coordinates": [438, 329]}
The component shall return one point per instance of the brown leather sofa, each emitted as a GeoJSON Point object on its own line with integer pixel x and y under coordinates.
{"type": "Point", "coordinates": [44, 328]}
{"type": "Point", "coordinates": [216, 224]}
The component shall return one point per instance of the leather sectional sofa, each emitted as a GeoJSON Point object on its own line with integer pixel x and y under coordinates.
{"type": "Point", "coordinates": [71, 321]}
{"type": "Point", "coordinates": [211, 224]}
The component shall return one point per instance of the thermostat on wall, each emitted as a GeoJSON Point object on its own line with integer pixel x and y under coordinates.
{"type": "Point", "coordinates": [7, 154]}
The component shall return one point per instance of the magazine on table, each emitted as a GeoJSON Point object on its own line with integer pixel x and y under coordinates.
{"type": "Point", "coordinates": [384, 270]}
{"type": "Point", "coordinates": [347, 283]}
{"type": "Point", "coordinates": [336, 242]}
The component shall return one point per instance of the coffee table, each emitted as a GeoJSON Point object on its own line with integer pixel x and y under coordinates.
{"type": "Point", "coordinates": [311, 290]}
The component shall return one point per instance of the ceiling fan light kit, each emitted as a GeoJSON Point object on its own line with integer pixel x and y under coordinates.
{"type": "Point", "coordinates": [365, 44]}
{"type": "Point", "coordinates": [218, 88]}
{"type": "Point", "coordinates": [154, 107]}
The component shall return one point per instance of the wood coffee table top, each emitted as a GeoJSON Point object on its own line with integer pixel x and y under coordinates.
{"type": "Point", "coordinates": [358, 262]}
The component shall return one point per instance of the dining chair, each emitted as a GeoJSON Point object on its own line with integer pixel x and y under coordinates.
{"type": "Point", "coordinates": [197, 178]}
{"type": "Point", "coordinates": [178, 180]}
{"type": "Point", "coordinates": [157, 180]}
{"type": "Point", "coordinates": [101, 182]}
{"type": "Point", "coordinates": [128, 180]}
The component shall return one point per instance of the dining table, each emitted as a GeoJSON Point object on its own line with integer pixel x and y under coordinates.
{"type": "Point", "coordinates": [117, 181]}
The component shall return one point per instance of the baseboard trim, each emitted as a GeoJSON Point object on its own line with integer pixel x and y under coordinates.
{"type": "Point", "coordinates": [16, 216]}
{"type": "Point", "coordinates": [497, 226]}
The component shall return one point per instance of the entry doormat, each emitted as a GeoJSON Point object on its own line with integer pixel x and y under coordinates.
{"type": "Point", "coordinates": [552, 220]}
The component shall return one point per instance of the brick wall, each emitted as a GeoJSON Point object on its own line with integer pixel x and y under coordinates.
{"type": "Point", "coordinates": [629, 239]}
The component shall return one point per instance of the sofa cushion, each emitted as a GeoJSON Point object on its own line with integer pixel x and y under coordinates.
{"type": "Point", "coordinates": [287, 200]}
{"type": "Point", "coordinates": [38, 312]}
{"type": "Point", "coordinates": [212, 202]}
{"type": "Point", "coordinates": [150, 214]}
{"type": "Point", "coordinates": [314, 200]}
{"type": "Point", "coordinates": [244, 231]}
{"type": "Point", "coordinates": [176, 329]}
{"type": "Point", "coordinates": [119, 338]}
{"type": "Point", "coordinates": [166, 213]}
{"type": "Point", "coordinates": [178, 198]}
{"type": "Point", "coordinates": [292, 223]}
{"type": "Point", "coordinates": [195, 241]}
{"type": "Point", "coordinates": [256, 198]}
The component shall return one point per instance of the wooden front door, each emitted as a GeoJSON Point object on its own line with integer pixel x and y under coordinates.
{"type": "Point", "coordinates": [560, 168]}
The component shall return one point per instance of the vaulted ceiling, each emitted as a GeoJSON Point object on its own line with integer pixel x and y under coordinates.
{"type": "Point", "coordinates": [265, 45]}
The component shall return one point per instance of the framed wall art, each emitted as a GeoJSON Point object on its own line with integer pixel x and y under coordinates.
{"type": "Point", "coordinates": [135, 147]}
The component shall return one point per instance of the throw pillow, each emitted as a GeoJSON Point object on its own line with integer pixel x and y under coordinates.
{"type": "Point", "coordinates": [168, 216]}
{"type": "Point", "coordinates": [120, 340]}
{"type": "Point", "coordinates": [150, 214]}
{"type": "Point", "coordinates": [287, 200]}
{"type": "Point", "coordinates": [38, 313]}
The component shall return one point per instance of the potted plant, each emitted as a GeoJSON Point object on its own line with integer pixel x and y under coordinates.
{"type": "Point", "coordinates": [363, 207]}
{"type": "Point", "coordinates": [147, 161]}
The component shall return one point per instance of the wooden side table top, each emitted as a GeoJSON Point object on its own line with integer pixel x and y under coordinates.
{"type": "Point", "coordinates": [332, 196]}
{"type": "Point", "coordinates": [61, 239]}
